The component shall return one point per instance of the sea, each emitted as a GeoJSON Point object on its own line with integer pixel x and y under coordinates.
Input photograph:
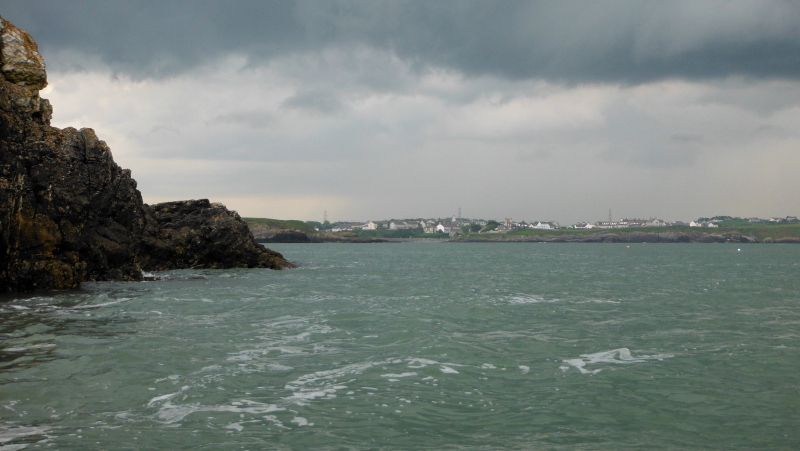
{"type": "Point", "coordinates": [395, 346]}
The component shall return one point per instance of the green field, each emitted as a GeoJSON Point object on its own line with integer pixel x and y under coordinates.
{"type": "Point", "coordinates": [760, 231]}
{"type": "Point", "coordinates": [281, 224]}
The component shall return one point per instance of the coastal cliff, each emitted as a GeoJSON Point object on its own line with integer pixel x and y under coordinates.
{"type": "Point", "coordinates": [69, 213]}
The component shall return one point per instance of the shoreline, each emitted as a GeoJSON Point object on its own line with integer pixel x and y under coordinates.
{"type": "Point", "coordinates": [600, 237]}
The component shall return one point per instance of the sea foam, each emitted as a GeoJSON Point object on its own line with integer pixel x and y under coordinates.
{"type": "Point", "coordinates": [620, 356]}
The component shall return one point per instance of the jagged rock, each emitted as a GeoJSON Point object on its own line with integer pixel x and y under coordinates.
{"type": "Point", "coordinates": [20, 61]}
{"type": "Point", "coordinates": [289, 236]}
{"type": "Point", "coordinates": [69, 213]}
{"type": "Point", "coordinates": [199, 234]}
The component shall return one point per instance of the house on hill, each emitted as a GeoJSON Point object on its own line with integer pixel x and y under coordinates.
{"type": "Point", "coordinates": [450, 228]}
{"type": "Point", "coordinates": [583, 225]}
{"type": "Point", "coordinates": [549, 225]}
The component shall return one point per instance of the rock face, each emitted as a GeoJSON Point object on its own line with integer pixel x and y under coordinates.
{"type": "Point", "coordinates": [199, 234]}
{"type": "Point", "coordinates": [69, 214]}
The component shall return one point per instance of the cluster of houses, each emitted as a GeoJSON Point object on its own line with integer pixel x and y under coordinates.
{"type": "Point", "coordinates": [451, 227]}
{"type": "Point", "coordinates": [456, 226]}
{"type": "Point", "coordinates": [787, 219]}
{"type": "Point", "coordinates": [627, 223]}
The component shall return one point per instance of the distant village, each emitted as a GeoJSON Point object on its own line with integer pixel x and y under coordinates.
{"type": "Point", "coordinates": [455, 226]}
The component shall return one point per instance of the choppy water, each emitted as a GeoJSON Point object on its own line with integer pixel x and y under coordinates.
{"type": "Point", "coordinates": [418, 345]}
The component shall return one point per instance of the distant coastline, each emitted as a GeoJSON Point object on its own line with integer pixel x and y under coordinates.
{"type": "Point", "coordinates": [289, 232]}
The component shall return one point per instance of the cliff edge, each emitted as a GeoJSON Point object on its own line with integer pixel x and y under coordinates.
{"type": "Point", "coordinates": [69, 213]}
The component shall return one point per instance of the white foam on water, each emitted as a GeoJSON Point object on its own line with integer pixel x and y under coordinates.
{"type": "Point", "coordinates": [447, 370]}
{"type": "Point", "coordinates": [399, 375]}
{"type": "Point", "coordinates": [170, 413]}
{"type": "Point", "coordinates": [274, 420]}
{"type": "Point", "coordinates": [620, 356]}
{"type": "Point", "coordinates": [162, 398]}
{"type": "Point", "coordinates": [527, 299]}
{"type": "Point", "coordinates": [525, 369]}
{"type": "Point", "coordinates": [488, 366]}
{"type": "Point", "coordinates": [299, 337]}
{"type": "Point", "coordinates": [235, 426]}
{"type": "Point", "coordinates": [300, 421]}
{"type": "Point", "coordinates": [12, 447]}
{"type": "Point", "coordinates": [302, 398]}
{"type": "Point", "coordinates": [104, 304]}
{"type": "Point", "coordinates": [174, 378]}
{"type": "Point", "coordinates": [12, 432]}
{"type": "Point", "coordinates": [420, 363]}
{"type": "Point", "coordinates": [29, 348]}
{"type": "Point", "coordinates": [324, 384]}
{"type": "Point", "coordinates": [597, 301]}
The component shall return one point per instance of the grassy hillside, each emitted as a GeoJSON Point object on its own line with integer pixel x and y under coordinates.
{"type": "Point", "coordinates": [280, 224]}
{"type": "Point", "coordinates": [764, 231]}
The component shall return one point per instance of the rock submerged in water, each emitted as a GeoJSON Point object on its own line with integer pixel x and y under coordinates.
{"type": "Point", "coordinates": [69, 213]}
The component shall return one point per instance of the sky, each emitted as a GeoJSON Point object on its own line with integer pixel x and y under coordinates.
{"type": "Point", "coordinates": [368, 110]}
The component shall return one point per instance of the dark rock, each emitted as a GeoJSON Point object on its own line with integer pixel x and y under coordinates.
{"type": "Point", "coordinates": [289, 236]}
{"type": "Point", "coordinates": [68, 213]}
{"type": "Point", "coordinates": [199, 234]}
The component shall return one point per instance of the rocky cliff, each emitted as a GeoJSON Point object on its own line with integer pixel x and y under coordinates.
{"type": "Point", "coordinates": [69, 213]}
{"type": "Point", "coordinates": [201, 234]}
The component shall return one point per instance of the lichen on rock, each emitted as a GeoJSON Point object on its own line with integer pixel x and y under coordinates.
{"type": "Point", "coordinates": [20, 61]}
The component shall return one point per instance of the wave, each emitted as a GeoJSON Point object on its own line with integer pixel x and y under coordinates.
{"type": "Point", "coordinates": [620, 356]}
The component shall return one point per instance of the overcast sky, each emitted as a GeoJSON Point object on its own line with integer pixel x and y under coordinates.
{"type": "Point", "coordinates": [387, 109]}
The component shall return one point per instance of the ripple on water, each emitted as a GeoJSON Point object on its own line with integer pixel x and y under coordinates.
{"type": "Point", "coordinates": [621, 356]}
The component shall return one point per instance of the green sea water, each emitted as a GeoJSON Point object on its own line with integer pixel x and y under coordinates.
{"type": "Point", "coordinates": [418, 346]}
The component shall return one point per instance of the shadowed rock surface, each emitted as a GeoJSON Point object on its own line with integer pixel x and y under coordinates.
{"type": "Point", "coordinates": [69, 213]}
{"type": "Point", "coordinates": [201, 234]}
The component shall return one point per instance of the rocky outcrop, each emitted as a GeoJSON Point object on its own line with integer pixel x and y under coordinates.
{"type": "Point", "coordinates": [783, 240]}
{"type": "Point", "coordinates": [199, 234]}
{"type": "Point", "coordinates": [288, 236]}
{"type": "Point", "coordinates": [69, 213]}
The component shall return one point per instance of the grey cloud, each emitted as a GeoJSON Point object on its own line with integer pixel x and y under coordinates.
{"type": "Point", "coordinates": [569, 41]}
{"type": "Point", "coordinates": [252, 119]}
{"type": "Point", "coordinates": [636, 138]}
{"type": "Point", "coordinates": [318, 101]}
{"type": "Point", "coordinates": [160, 129]}
{"type": "Point", "coordinates": [685, 138]}
{"type": "Point", "coordinates": [156, 39]}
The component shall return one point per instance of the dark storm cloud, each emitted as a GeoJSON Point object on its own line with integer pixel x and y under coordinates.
{"type": "Point", "coordinates": [610, 41]}
{"type": "Point", "coordinates": [155, 38]}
